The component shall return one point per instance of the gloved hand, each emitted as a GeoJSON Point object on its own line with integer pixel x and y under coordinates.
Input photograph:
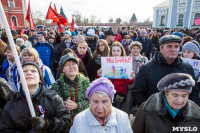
{"type": "Point", "coordinates": [39, 123]}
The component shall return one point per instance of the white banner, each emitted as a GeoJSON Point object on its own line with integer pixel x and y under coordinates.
{"type": "Point", "coordinates": [116, 67]}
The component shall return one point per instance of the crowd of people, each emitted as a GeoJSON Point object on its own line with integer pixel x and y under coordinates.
{"type": "Point", "coordinates": [63, 72]}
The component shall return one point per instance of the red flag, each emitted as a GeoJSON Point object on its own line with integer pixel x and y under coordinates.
{"type": "Point", "coordinates": [53, 15]}
{"type": "Point", "coordinates": [60, 29]}
{"type": "Point", "coordinates": [29, 17]}
{"type": "Point", "coordinates": [21, 32]}
{"type": "Point", "coordinates": [13, 25]}
{"type": "Point", "coordinates": [72, 24]}
{"type": "Point", "coordinates": [55, 8]}
{"type": "Point", "coordinates": [197, 21]}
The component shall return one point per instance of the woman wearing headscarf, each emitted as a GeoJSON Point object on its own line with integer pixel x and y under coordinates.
{"type": "Point", "coordinates": [101, 116]}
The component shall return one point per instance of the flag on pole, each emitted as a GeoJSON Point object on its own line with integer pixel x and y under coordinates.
{"type": "Point", "coordinates": [197, 21]}
{"type": "Point", "coordinates": [13, 25]}
{"type": "Point", "coordinates": [29, 17]}
{"type": "Point", "coordinates": [53, 15]}
{"type": "Point", "coordinates": [60, 29]}
{"type": "Point", "coordinates": [72, 24]}
{"type": "Point", "coordinates": [21, 32]}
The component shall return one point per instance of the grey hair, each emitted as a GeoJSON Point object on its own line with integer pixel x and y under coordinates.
{"type": "Point", "coordinates": [182, 83]}
{"type": "Point", "coordinates": [101, 93]}
{"type": "Point", "coordinates": [79, 36]}
{"type": "Point", "coordinates": [143, 30]}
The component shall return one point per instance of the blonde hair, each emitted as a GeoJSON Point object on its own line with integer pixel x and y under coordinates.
{"type": "Point", "coordinates": [82, 42]}
{"type": "Point", "coordinates": [2, 47]}
{"type": "Point", "coordinates": [31, 52]}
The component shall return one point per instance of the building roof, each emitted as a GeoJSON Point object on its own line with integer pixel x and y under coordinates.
{"type": "Point", "coordinates": [133, 18]}
{"type": "Point", "coordinates": [163, 4]}
{"type": "Point", "coordinates": [62, 13]}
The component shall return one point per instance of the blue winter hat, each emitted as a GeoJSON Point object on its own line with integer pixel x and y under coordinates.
{"type": "Point", "coordinates": [178, 34]}
{"type": "Point", "coordinates": [73, 33]}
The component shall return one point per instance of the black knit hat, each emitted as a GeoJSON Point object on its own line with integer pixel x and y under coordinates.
{"type": "Point", "coordinates": [38, 68]}
{"type": "Point", "coordinates": [176, 82]}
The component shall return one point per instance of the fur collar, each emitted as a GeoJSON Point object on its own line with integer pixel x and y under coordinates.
{"type": "Point", "coordinates": [155, 105]}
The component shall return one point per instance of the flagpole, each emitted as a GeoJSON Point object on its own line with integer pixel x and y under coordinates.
{"type": "Point", "coordinates": [16, 57]}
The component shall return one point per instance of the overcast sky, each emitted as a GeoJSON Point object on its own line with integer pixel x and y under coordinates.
{"type": "Point", "coordinates": [103, 9]}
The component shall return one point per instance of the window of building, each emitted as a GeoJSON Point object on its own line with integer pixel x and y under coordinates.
{"type": "Point", "coordinates": [162, 21]}
{"type": "Point", "coordinates": [180, 19]}
{"type": "Point", "coordinates": [11, 3]}
{"type": "Point", "coordinates": [197, 16]}
{"type": "Point", "coordinates": [13, 18]}
{"type": "Point", "coordinates": [181, 1]}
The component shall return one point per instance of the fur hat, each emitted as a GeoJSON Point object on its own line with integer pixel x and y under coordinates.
{"type": "Point", "coordinates": [38, 68]}
{"type": "Point", "coordinates": [101, 84]}
{"type": "Point", "coordinates": [134, 43]}
{"type": "Point", "coordinates": [191, 47]}
{"type": "Point", "coordinates": [176, 82]}
{"type": "Point", "coordinates": [20, 39]}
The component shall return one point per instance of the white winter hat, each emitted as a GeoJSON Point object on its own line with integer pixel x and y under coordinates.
{"type": "Point", "coordinates": [91, 32]}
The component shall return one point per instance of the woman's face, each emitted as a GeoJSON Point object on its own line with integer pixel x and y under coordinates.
{"type": "Point", "coordinates": [70, 68]}
{"type": "Point", "coordinates": [28, 58]}
{"type": "Point", "coordinates": [100, 106]}
{"type": "Point", "coordinates": [51, 40]}
{"type": "Point", "coordinates": [9, 55]}
{"type": "Point", "coordinates": [188, 54]}
{"type": "Point", "coordinates": [116, 51]}
{"type": "Point", "coordinates": [101, 46]}
{"type": "Point", "coordinates": [135, 50]}
{"type": "Point", "coordinates": [176, 99]}
{"type": "Point", "coordinates": [82, 48]}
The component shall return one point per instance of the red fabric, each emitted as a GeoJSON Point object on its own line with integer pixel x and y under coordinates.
{"type": "Point", "coordinates": [57, 18]}
{"type": "Point", "coordinates": [13, 25]}
{"type": "Point", "coordinates": [60, 29]}
{"type": "Point", "coordinates": [118, 38]}
{"type": "Point", "coordinates": [29, 17]}
{"type": "Point", "coordinates": [72, 24]}
{"type": "Point", "coordinates": [21, 32]}
{"type": "Point", "coordinates": [121, 84]}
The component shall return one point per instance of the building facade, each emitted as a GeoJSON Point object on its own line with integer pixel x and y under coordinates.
{"type": "Point", "coordinates": [176, 14]}
{"type": "Point", "coordinates": [15, 10]}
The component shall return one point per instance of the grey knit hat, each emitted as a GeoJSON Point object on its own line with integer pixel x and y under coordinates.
{"type": "Point", "coordinates": [67, 57]}
{"type": "Point", "coordinates": [135, 43]}
{"type": "Point", "coordinates": [192, 47]}
{"type": "Point", "coordinates": [176, 82]}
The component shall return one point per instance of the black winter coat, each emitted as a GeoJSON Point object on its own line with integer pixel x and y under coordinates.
{"type": "Point", "coordinates": [15, 117]}
{"type": "Point", "coordinates": [63, 46]}
{"type": "Point", "coordinates": [153, 117]}
{"type": "Point", "coordinates": [151, 73]}
{"type": "Point", "coordinates": [147, 46]}
{"type": "Point", "coordinates": [92, 43]}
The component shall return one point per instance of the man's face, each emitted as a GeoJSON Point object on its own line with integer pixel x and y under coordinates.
{"type": "Point", "coordinates": [31, 75]}
{"type": "Point", "coordinates": [15, 36]}
{"type": "Point", "coordinates": [143, 34]}
{"type": "Point", "coordinates": [176, 99]}
{"type": "Point", "coordinates": [115, 30]}
{"type": "Point", "coordinates": [41, 38]}
{"type": "Point", "coordinates": [33, 33]}
{"type": "Point", "coordinates": [111, 38]}
{"type": "Point", "coordinates": [170, 50]}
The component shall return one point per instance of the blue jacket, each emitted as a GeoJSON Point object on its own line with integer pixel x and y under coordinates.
{"type": "Point", "coordinates": [4, 69]}
{"type": "Point", "coordinates": [46, 52]}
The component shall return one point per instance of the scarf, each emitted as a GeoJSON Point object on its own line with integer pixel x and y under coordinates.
{"type": "Point", "coordinates": [173, 113]}
{"type": "Point", "coordinates": [81, 56]}
{"type": "Point", "coordinates": [70, 82]}
{"type": "Point", "coordinates": [103, 120]}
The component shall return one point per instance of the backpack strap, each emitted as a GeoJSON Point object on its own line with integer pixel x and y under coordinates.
{"type": "Point", "coordinates": [62, 90]}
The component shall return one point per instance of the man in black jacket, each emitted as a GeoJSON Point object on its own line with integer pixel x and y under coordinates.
{"type": "Point", "coordinates": [163, 63]}
{"type": "Point", "coordinates": [51, 113]}
{"type": "Point", "coordinates": [148, 46]}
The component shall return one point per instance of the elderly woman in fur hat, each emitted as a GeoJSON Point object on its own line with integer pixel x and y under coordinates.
{"type": "Point", "coordinates": [101, 116]}
{"type": "Point", "coordinates": [170, 109]}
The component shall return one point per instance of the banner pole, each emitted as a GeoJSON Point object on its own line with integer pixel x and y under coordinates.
{"type": "Point", "coordinates": [16, 57]}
